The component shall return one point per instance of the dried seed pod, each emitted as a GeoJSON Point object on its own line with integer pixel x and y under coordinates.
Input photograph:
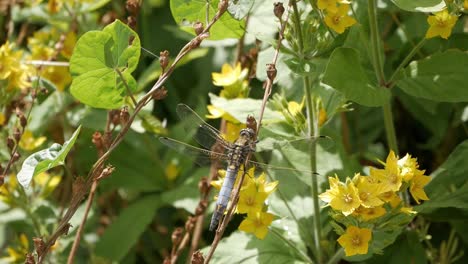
{"type": "Point", "coordinates": [15, 157]}
{"type": "Point", "coordinates": [124, 115]}
{"type": "Point", "coordinates": [160, 93]}
{"type": "Point", "coordinates": [202, 205]}
{"type": "Point", "coordinates": [39, 245]}
{"type": "Point", "coordinates": [23, 121]}
{"type": "Point", "coordinates": [197, 258]}
{"type": "Point", "coordinates": [16, 134]}
{"type": "Point", "coordinates": [271, 71]}
{"type": "Point", "coordinates": [10, 143]}
{"type": "Point", "coordinates": [164, 59]}
{"type": "Point", "coordinates": [203, 185]}
{"type": "Point", "coordinates": [198, 26]}
{"type": "Point", "coordinates": [278, 10]}
{"type": "Point", "coordinates": [176, 236]}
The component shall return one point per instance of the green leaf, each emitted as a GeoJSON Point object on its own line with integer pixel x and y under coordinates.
{"type": "Point", "coordinates": [241, 107]}
{"type": "Point", "coordinates": [245, 248]}
{"type": "Point", "coordinates": [186, 13]}
{"type": "Point", "coordinates": [441, 77]}
{"type": "Point", "coordinates": [96, 61]}
{"type": "Point", "coordinates": [406, 249]}
{"type": "Point", "coordinates": [45, 159]}
{"type": "Point", "coordinates": [124, 232]}
{"type": "Point", "coordinates": [420, 5]}
{"type": "Point", "coordinates": [240, 8]}
{"type": "Point", "coordinates": [448, 189]}
{"type": "Point", "coordinates": [153, 71]}
{"type": "Point", "coordinates": [345, 74]}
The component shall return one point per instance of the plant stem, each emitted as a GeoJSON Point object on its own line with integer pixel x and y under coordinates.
{"type": "Point", "coordinates": [375, 43]}
{"type": "Point", "coordinates": [389, 127]}
{"type": "Point", "coordinates": [313, 131]}
{"type": "Point", "coordinates": [391, 82]}
{"type": "Point", "coordinates": [336, 257]}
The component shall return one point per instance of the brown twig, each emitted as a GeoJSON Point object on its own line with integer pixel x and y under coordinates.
{"type": "Point", "coordinates": [94, 172]}
{"type": "Point", "coordinates": [271, 73]}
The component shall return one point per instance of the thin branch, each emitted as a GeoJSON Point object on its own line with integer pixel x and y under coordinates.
{"type": "Point", "coordinates": [63, 225]}
{"type": "Point", "coordinates": [269, 83]}
{"type": "Point", "coordinates": [129, 92]}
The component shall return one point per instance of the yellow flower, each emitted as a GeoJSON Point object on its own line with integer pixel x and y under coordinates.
{"type": "Point", "coordinates": [331, 193]}
{"type": "Point", "coordinates": [46, 183]}
{"type": "Point", "coordinates": [342, 197]}
{"type": "Point", "coordinates": [441, 24]}
{"type": "Point", "coordinates": [28, 142]}
{"type": "Point", "coordinates": [408, 167]}
{"type": "Point", "coordinates": [369, 192]}
{"type": "Point", "coordinates": [417, 186]}
{"type": "Point", "coordinates": [8, 190]}
{"type": "Point", "coordinates": [329, 5]}
{"type": "Point", "coordinates": [257, 223]}
{"type": "Point", "coordinates": [465, 4]}
{"type": "Point", "coordinates": [390, 176]}
{"type": "Point", "coordinates": [17, 254]}
{"type": "Point", "coordinates": [356, 240]}
{"type": "Point", "coordinates": [232, 80]}
{"type": "Point", "coordinates": [370, 213]}
{"type": "Point", "coordinates": [251, 200]}
{"type": "Point", "coordinates": [60, 76]}
{"type": "Point", "coordinates": [408, 210]}
{"type": "Point", "coordinates": [264, 186]}
{"type": "Point", "coordinates": [68, 45]}
{"type": "Point", "coordinates": [392, 198]}
{"type": "Point", "coordinates": [322, 117]}
{"type": "Point", "coordinates": [2, 119]}
{"type": "Point", "coordinates": [339, 20]}
{"type": "Point", "coordinates": [172, 170]}
{"type": "Point", "coordinates": [12, 69]}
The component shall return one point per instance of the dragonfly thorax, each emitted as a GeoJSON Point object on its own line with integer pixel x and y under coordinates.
{"type": "Point", "coordinates": [242, 147]}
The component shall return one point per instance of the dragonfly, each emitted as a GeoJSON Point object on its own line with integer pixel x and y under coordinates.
{"type": "Point", "coordinates": [215, 147]}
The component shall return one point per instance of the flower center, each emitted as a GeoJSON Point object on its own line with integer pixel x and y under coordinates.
{"type": "Point", "coordinates": [356, 240]}
{"type": "Point", "coordinates": [249, 201]}
{"type": "Point", "coordinates": [364, 196]}
{"type": "Point", "coordinates": [336, 19]}
{"type": "Point", "coordinates": [348, 198]}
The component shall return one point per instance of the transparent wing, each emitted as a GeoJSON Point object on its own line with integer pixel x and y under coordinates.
{"type": "Point", "coordinates": [324, 142]}
{"type": "Point", "coordinates": [201, 156]}
{"type": "Point", "coordinates": [205, 135]}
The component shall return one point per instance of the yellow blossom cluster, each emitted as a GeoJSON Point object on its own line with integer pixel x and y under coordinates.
{"type": "Point", "coordinates": [252, 197]}
{"type": "Point", "coordinates": [42, 46]}
{"type": "Point", "coordinates": [366, 198]}
{"type": "Point", "coordinates": [336, 14]}
{"type": "Point", "coordinates": [12, 69]}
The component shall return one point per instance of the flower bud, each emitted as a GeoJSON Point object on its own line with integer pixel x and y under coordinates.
{"type": "Point", "coordinates": [23, 121]}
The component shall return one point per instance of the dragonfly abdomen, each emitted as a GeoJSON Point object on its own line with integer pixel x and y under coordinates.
{"type": "Point", "coordinates": [223, 196]}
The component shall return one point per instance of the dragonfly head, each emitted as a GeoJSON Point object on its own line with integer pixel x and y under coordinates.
{"type": "Point", "coordinates": [248, 134]}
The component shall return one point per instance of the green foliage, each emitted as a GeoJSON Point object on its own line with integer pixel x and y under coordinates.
{"type": "Point", "coordinates": [345, 74]}
{"type": "Point", "coordinates": [441, 77]}
{"type": "Point", "coordinates": [45, 159]}
{"type": "Point", "coordinates": [353, 95]}
{"type": "Point", "coordinates": [102, 64]}
{"type": "Point", "coordinates": [186, 13]}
